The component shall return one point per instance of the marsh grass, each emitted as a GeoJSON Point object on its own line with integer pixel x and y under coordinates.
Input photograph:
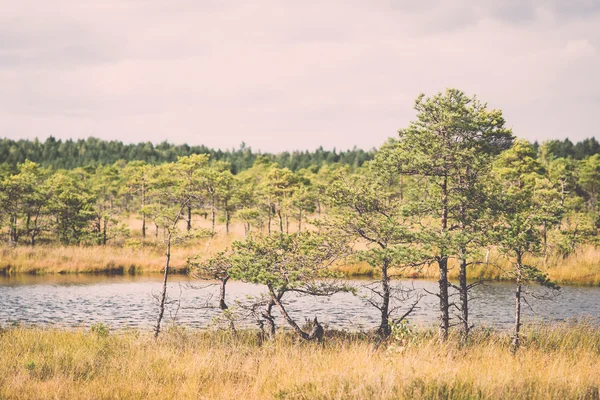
{"type": "Point", "coordinates": [580, 268]}
{"type": "Point", "coordinates": [141, 258]}
{"type": "Point", "coordinates": [556, 362]}
{"type": "Point", "coordinates": [137, 256]}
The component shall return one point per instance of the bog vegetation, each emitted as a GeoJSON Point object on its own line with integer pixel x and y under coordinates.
{"type": "Point", "coordinates": [559, 362]}
{"type": "Point", "coordinates": [454, 192]}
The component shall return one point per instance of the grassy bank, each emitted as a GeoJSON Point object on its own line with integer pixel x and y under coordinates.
{"type": "Point", "coordinates": [133, 256]}
{"type": "Point", "coordinates": [581, 268]}
{"type": "Point", "coordinates": [96, 259]}
{"type": "Point", "coordinates": [555, 363]}
{"type": "Point", "coordinates": [148, 258]}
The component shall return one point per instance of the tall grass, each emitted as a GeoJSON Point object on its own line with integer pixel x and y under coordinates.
{"type": "Point", "coordinates": [580, 268]}
{"type": "Point", "coordinates": [137, 256]}
{"type": "Point", "coordinates": [556, 362]}
{"type": "Point", "coordinates": [143, 257]}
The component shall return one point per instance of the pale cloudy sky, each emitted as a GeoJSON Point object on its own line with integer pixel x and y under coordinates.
{"type": "Point", "coordinates": [283, 75]}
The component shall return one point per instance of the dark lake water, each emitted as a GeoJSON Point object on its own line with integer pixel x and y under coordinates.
{"type": "Point", "coordinates": [128, 302]}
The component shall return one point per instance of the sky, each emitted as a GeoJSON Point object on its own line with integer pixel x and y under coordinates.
{"type": "Point", "coordinates": [291, 75]}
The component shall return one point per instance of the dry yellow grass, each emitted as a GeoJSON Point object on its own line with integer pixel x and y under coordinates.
{"type": "Point", "coordinates": [100, 259]}
{"type": "Point", "coordinates": [140, 257]}
{"type": "Point", "coordinates": [137, 256]}
{"type": "Point", "coordinates": [557, 362]}
{"type": "Point", "coordinates": [580, 268]}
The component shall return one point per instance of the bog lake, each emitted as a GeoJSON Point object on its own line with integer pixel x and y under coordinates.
{"type": "Point", "coordinates": [128, 301]}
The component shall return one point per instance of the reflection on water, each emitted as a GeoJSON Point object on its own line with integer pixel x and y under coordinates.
{"type": "Point", "coordinates": [127, 301]}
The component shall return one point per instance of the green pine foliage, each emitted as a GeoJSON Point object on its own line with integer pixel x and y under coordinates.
{"type": "Point", "coordinates": [452, 183]}
{"type": "Point", "coordinates": [92, 151]}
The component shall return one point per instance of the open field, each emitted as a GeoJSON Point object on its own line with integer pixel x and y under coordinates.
{"type": "Point", "coordinates": [556, 362]}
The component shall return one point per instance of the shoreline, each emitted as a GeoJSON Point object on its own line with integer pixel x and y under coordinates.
{"type": "Point", "coordinates": [581, 269]}
{"type": "Point", "coordinates": [134, 271]}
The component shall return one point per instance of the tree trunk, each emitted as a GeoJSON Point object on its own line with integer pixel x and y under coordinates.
{"type": "Point", "coordinates": [462, 274]}
{"type": "Point", "coordinates": [34, 232]}
{"type": "Point", "coordinates": [267, 315]}
{"type": "Point", "coordinates": [280, 220]}
{"type": "Point", "coordinates": [300, 221]}
{"type": "Point", "coordinates": [163, 296]}
{"type": "Point", "coordinates": [443, 267]}
{"type": "Point", "coordinates": [269, 224]}
{"type": "Point", "coordinates": [286, 316]}
{"type": "Point", "coordinates": [27, 222]}
{"type": "Point", "coordinates": [222, 304]}
{"type": "Point", "coordinates": [401, 186]}
{"type": "Point", "coordinates": [444, 302]}
{"type": "Point", "coordinates": [516, 342]}
{"type": "Point", "coordinates": [545, 236]}
{"type": "Point", "coordinates": [104, 232]}
{"type": "Point", "coordinates": [212, 215]}
{"type": "Point", "coordinates": [316, 332]}
{"type": "Point", "coordinates": [226, 218]}
{"type": "Point", "coordinates": [464, 300]}
{"type": "Point", "coordinates": [189, 218]}
{"type": "Point", "coordinates": [384, 327]}
{"type": "Point", "coordinates": [143, 212]}
{"type": "Point", "coordinates": [13, 236]}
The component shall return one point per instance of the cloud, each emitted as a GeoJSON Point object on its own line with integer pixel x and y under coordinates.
{"type": "Point", "coordinates": [290, 75]}
{"type": "Point", "coordinates": [575, 49]}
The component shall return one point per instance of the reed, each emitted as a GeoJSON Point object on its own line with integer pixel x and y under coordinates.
{"type": "Point", "coordinates": [137, 256]}
{"type": "Point", "coordinates": [580, 268]}
{"type": "Point", "coordinates": [556, 362]}
{"type": "Point", "coordinates": [141, 257]}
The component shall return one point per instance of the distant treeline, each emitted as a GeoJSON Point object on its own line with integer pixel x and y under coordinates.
{"type": "Point", "coordinates": [566, 148]}
{"type": "Point", "coordinates": [449, 188]}
{"type": "Point", "coordinates": [70, 154]}
{"type": "Point", "coordinates": [92, 151]}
